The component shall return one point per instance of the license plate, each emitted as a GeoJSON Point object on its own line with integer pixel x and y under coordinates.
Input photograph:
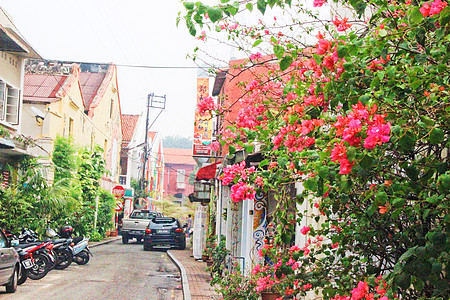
{"type": "Point", "coordinates": [27, 263]}
{"type": "Point", "coordinates": [163, 231]}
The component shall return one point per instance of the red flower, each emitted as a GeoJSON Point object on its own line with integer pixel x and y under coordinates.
{"type": "Point", "coordinates": [341, 24]}
{"type": "Point", "coordinates": [319, 3]}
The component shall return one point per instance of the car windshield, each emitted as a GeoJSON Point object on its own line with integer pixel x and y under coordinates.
{"type": "Point", "coordinates": [143, 215]}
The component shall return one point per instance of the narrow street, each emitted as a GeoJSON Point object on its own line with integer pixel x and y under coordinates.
{"type": "Point", "coordinates": [116, 271]}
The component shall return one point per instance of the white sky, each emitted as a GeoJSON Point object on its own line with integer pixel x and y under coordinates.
{"type": "Point", "coordinates": [136, 32]}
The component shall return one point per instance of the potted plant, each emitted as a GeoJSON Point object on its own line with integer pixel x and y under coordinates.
{"type": "Point", "coordinates": [283, 272]}
{"type": "Point", "coordinates": [231, 285]}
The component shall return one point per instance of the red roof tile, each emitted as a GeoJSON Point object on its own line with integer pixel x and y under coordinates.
{"type": "Point", "coordinates": [178, 156]}
{"type": "Point", "coordinates": [90, 83]}
{"type": "Point", "coordinates": [42, 87]}
{"type": "Point", "coordinates": [128, 124]}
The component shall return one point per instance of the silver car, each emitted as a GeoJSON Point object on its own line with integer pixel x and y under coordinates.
{"type": "Point", "coordinates": [9, 264]}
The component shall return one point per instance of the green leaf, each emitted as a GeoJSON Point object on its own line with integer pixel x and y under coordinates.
{"type": "Point", "coordinates": [382, 32]}
{"type": "Point", "coordinates": [278, 51]}
{"type": "Point", "coordinates": [214, 14]}
{"type": "Point", "coordinates": [263, 163]}
{"type": "Point", "coordinates": [192, 30]}
{"type": "Point", "coordinates": [359, 6]}
{"type": "Point", "coordinates": [249, 6]}
{"type": "Point", "coordinates": [231, 149]}
{"type": "Point", "coordinates": [444, 16]}
{"type": "Point", "coordinates": [342, 50]}
{"type": "Point", "coordinates": [285, 62]}
{"type": "Point", "coordinates": [257, 42]}
{"type": "Point", "coordinates": [261, 5]}
{"type": "Point", "coordinates": [436, 136]}
{"type": "Point", "coordinates": [188, 5]}
{"type": "Point", "coordinates": [414, 15]}
{"type": "Point", "coordinates": [407, 141]}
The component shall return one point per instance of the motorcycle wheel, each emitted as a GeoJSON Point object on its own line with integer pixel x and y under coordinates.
{"type": "Point", "coordinates": [40, 268]}
{"type": "Point", "coordinates": [64, 259]}
{"type": "Point", "coordinates": [82, 258]}
{"type": "Point", "coordinates": [22, 276]}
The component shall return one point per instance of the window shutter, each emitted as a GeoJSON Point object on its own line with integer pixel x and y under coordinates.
{"type": "Point", "coordinates": [12, 106]}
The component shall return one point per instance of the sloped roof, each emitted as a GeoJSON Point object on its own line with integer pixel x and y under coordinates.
{"type": "Point", "coordinates": [90, 83]}
{"type": "Point", "coordinates": [42, 87]}
{"type": "Point", "coordinates": [128, 125]}
{"type": "Point", "coordinates": [178, 156]}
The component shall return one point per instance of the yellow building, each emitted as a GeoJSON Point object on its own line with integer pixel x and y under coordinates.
{"type": "Point", "coordinates": [13, 51]}
{"type": "Point", "coordinates": [74, 100]}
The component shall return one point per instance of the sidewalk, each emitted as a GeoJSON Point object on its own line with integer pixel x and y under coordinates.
{"type": "Point", "coordinates": [195, 279]}
{"type": "Point", "coordinates": [107, 240]}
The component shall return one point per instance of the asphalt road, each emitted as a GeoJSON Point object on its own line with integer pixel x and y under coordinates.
{"type": "Point", "coordinates": [116, 271]}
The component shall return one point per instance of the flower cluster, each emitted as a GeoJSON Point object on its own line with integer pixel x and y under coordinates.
{"type": "Point", "coordinates": [206, 105]}
{"type": "Point", "coordinates": [239, 175]}
{"type": "Point", "coordinates": [433, 8]}
{"type": "Point", "coordinates": [350, 128]}
{"type": "Point", "coordinates": [364, 291]}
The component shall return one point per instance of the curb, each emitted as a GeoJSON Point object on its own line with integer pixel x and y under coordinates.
{"type": "Point", "coordinates": [104, 242]}
{"type": "Point", "coordinates": [184, 278]}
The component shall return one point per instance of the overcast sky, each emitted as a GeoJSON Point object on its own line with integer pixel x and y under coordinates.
{"type": "Point", "coordinates": [133, 32]}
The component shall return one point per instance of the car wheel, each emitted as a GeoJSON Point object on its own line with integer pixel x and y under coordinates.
{"type": "Point", "coordinates": [23, 276]}
{"type": "Point", "coordinates": [11, 287]}
{"type": "Point", "coordinates": [124, 240]}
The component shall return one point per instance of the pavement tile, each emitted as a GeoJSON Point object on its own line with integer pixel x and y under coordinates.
{"type": "Point", "coordinates": [198, 277]}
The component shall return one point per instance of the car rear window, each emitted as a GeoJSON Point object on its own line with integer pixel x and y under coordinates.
{"type": "Point", "coordinates": [143, 215]}
{"type": "Point", "coordinates": [164, 220]}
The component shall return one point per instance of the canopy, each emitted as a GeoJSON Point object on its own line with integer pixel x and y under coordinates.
{"type": "Point", "coordinates": [207, 172]}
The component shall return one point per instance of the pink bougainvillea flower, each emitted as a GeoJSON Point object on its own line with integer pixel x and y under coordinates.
{"type": "Point", "coordinates": [335, 245]}
{"type": "Point", "coordinates": [214, 146]}
{"type": "Point", "coordinates": [252, 85]}
{"type": "Point", "coordinates": [205, 105]}
{"type": "Point", "coordinates": [323, 46]}
{"type": "Point", "coordinates": [305, 230]}
{"type": "Point", "coordinates": [377, 134]}
{"type": "Point", "coordinates": [341, 25]}
{"type": "Point", "coordinates": [429, 10]}
{"type": "Point", "coordinates": [241, 191]}
{"type": "Point", "coordinates": [233, 27]}
{"type": "Point", "coordinates": [382, 209]}
{"type": "Point", "coordinates": [360, 291]}
{"type": "Point", "coordinates": [345, 167]}
{"type": "Point", "coordinates": [255, 56]}
{"type": "Point", "coordinates": [319, 3]}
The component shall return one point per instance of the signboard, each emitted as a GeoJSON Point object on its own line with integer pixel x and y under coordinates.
{"type": "Point", "coordinates": [119, 205]}
{"type": "Point", "coordinates": [118, 191]}
{"type": "Point", "coordinates": [203, 124]}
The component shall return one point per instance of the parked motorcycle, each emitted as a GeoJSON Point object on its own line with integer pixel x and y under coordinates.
{"type": "Point", "coordinates": [42, 253]}
{"type": "Point", "coordinates": [80, 248]}
{"type": "Point", "coordinates": [62, 248]}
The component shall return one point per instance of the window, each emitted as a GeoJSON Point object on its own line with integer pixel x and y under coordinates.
{"type": "Point", "coordinates": [3, 242]}
{"type": "Point", "coordinates": [111, 108]}
{"type": "Point", "coordinates": [181, 178]}
{"type": "Point", "coordinates": [122, 179]}
{"type": "Point", "coordinates": [71, 127]}
{"type": "Point", "coordinates": [9, 103]}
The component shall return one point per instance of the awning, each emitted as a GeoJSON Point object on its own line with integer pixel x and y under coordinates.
{"type": "Point", "coordinates": [6, 144]}
{"type": "Point", "coordinates": [208, 172]}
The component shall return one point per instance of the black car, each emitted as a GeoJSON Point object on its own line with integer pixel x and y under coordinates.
{"type": "Point", "coordinates": [164, 231]}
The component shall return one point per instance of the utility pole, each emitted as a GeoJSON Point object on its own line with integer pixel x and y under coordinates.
{"type": "Point", "coordinates": [153, 103]}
